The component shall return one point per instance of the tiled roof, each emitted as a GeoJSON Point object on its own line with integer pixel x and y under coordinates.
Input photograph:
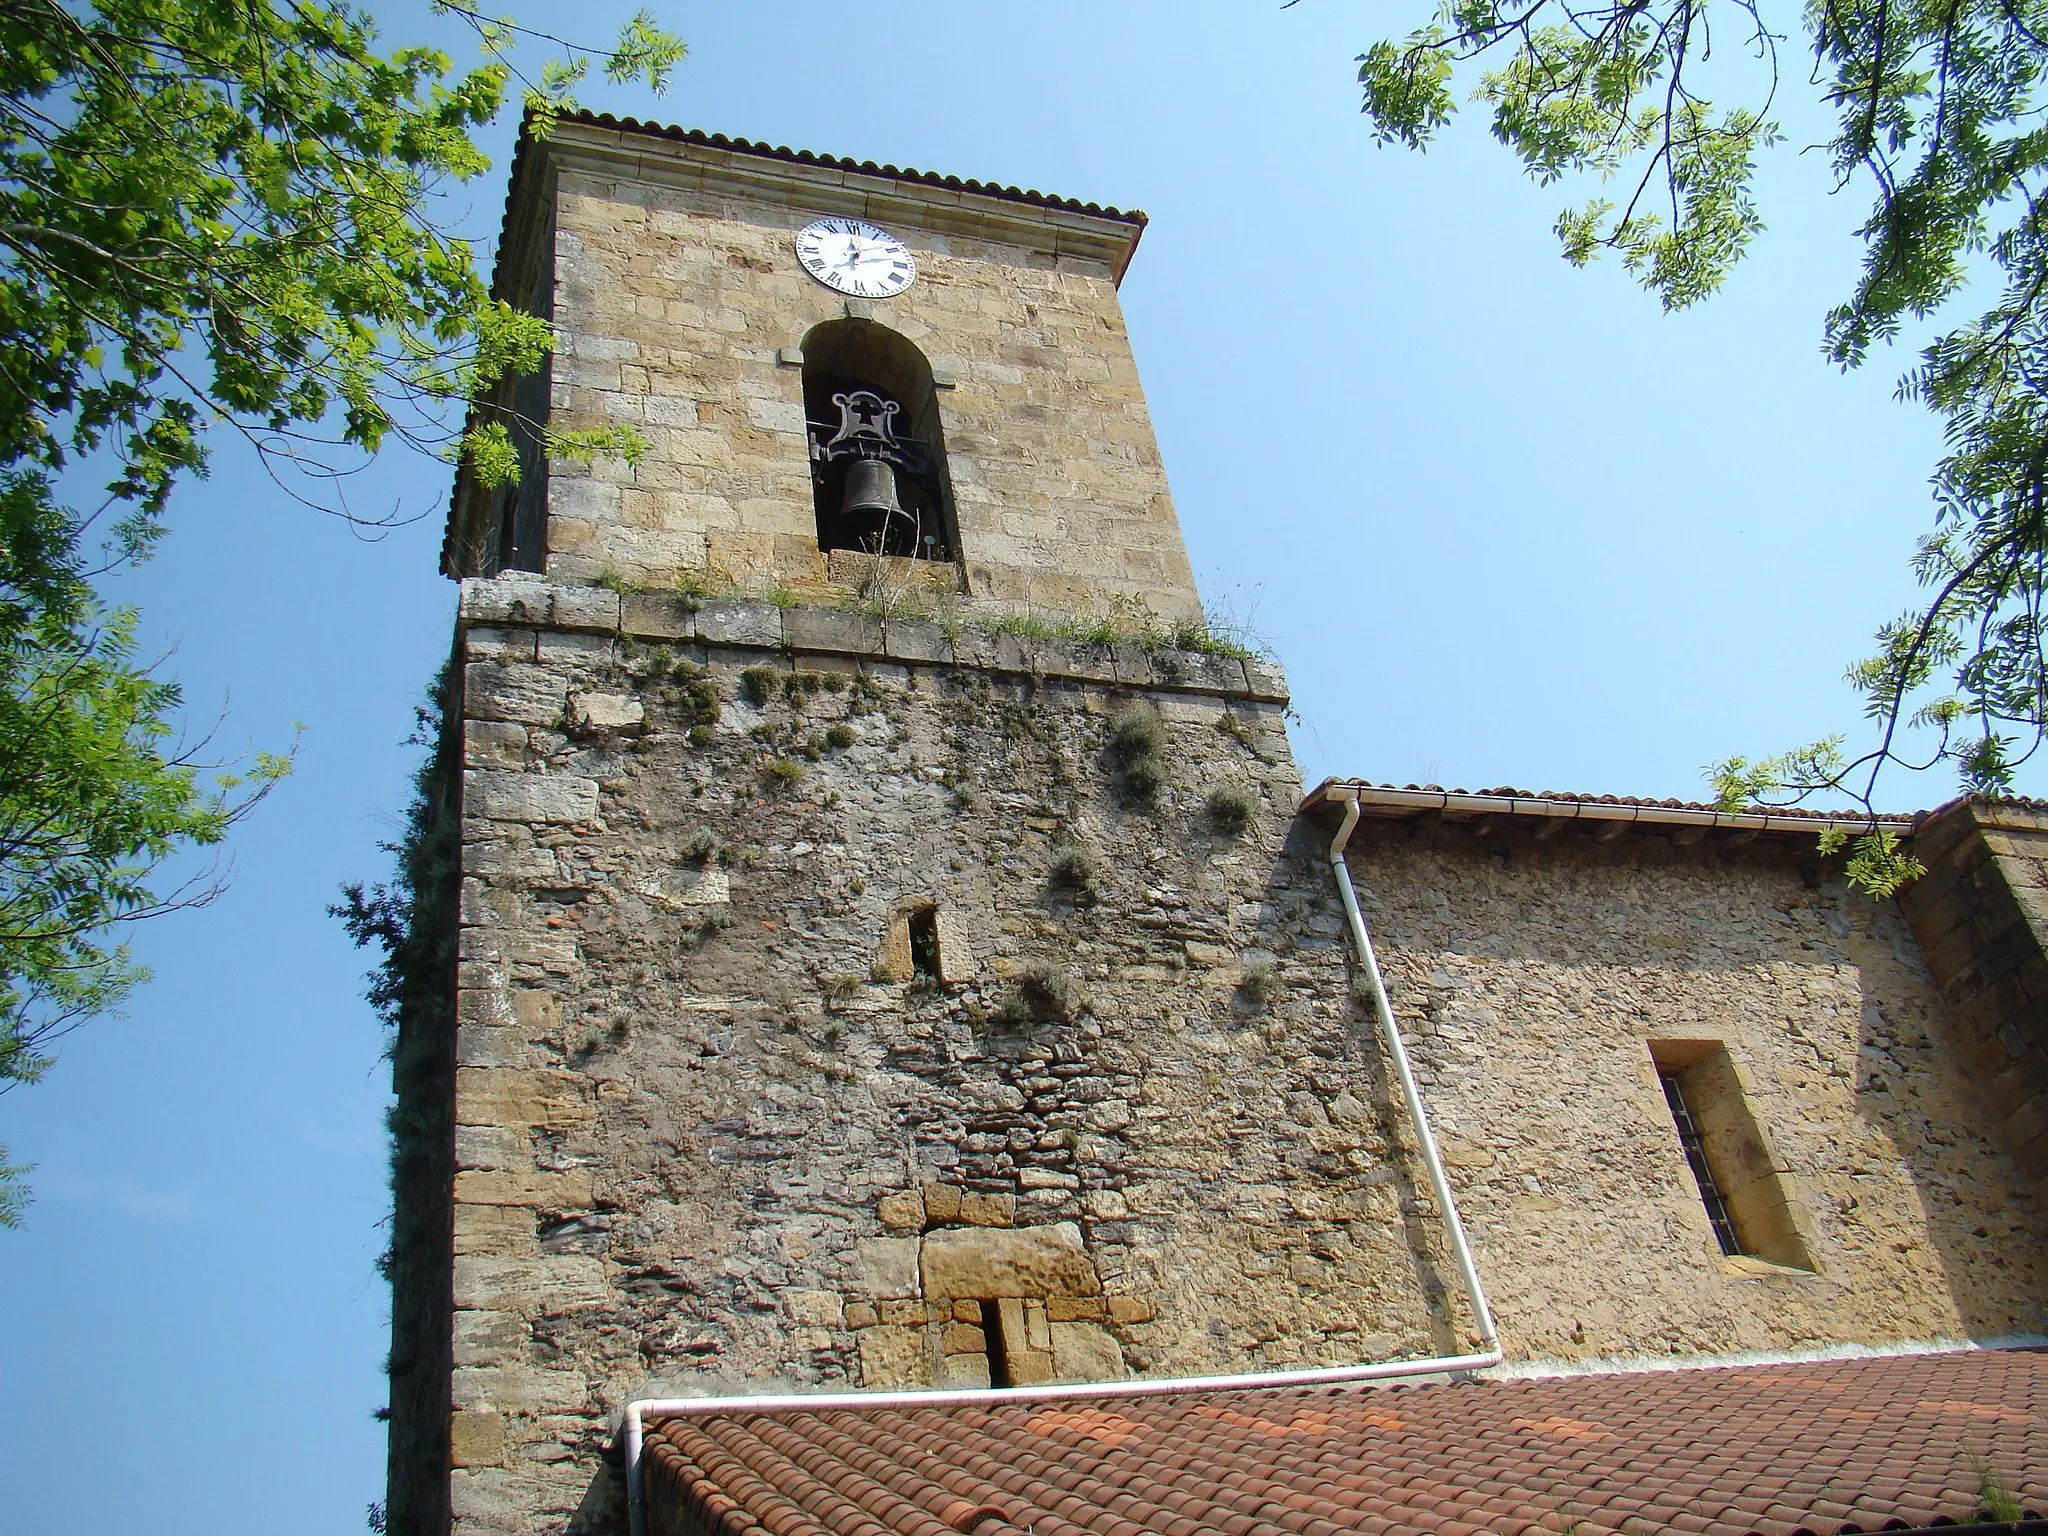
{"type": "Point", "coordinates": [1826, 1448]}
{"type": "Point", "coordinates": [1411, 799]}
{"type": "Point", "coordinates": [862, 167]}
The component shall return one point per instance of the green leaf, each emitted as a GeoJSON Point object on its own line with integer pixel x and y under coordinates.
{"type": "Point", "coordinates": [1940, 123]}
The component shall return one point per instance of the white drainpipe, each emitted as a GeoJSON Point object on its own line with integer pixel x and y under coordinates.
{"type": "Point", "coordinates": [1390, 1032]}
{"type": "Point", "coordinates": [644, 1409]}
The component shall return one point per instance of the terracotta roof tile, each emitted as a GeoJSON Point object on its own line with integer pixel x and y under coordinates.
{"type": "Point", "coordinates": [1564, 797]}
{"type": "Point", "coordinates": [1829, 1449]}
{"type": "Point", "coordinates": [860, 167]}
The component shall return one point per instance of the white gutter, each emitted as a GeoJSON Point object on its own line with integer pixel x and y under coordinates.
{"type": "Point", "coordinates": [1379, 800]}
{"type": "Point", "coordinates": [640, 1411]}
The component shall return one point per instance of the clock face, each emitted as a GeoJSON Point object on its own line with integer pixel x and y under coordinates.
{"type": "Point", "coordinates": [855, 257]}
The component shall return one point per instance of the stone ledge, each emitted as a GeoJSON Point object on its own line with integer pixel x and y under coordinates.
{"type": "Point", "coordinates": [745, 624]}
{"type": "Point", "coordinates": [533, 603]}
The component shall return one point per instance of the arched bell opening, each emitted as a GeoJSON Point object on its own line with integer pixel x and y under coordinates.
{"type": "Point", "coordinates": [878, 452]}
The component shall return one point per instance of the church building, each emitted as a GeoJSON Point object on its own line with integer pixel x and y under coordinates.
{"type": "Point", "coordinates": [912, 1060]}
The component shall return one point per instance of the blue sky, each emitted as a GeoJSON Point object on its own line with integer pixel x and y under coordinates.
{"type": "Point", "coordinates": [1503, 522]}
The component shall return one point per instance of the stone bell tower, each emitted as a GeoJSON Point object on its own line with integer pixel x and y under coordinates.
{"type": "Point", "coordinates": [880, 958]}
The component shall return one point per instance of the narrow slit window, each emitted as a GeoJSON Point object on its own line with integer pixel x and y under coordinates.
{"type": "Point", "coordinates": [1695, 1146]}
{"type": "Point", "coordinates": [1752, 1208]}
{"type": "Point", "coordinates": [996, 1344]}
{"type": "Point", "coordinates": [924, 944]}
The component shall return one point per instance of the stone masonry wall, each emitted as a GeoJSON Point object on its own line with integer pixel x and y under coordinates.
{"type": "Point", "coordinates": [712, 1138]}
{"type": "Point", "coordinates": [681, 311]}
{"type": "Point", "coordinates": [1530, 978]}
{"type": "Point", "coordinates": [1982, 914]}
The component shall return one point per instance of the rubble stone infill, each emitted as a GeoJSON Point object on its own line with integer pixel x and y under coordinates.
{"type": "Point", "coordinates": [720, 1125]}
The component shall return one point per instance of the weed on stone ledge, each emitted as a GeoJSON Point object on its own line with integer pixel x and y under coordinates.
{"type": "Point", "coordinates": [1260, 986]}
{"type": "Point", "coordinates": [1042, 992]}
{"type": "Point", "coordinates": [840, 989]}
{"type": "Point", "coordinates": [757, 685]}
{"type": "Point", "coordinates": [1073, 870]}
{"type": "Point", "coordinates": [1137, 740]}
{"type": "Point", "coordinates": [1231, 809]}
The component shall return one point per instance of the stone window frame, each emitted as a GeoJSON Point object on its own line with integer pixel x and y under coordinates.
{"type": "Point", "coordinates": [952, 959]}
{"type": "Point", "coordinates": [1758, 1188]}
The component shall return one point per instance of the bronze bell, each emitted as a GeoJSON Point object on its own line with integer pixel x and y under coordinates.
{"type": "Point", "coordinates": [870, 488]}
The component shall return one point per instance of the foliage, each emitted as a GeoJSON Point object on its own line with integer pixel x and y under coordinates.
{"type": "Point", "coordinates": [840, 988]}
{"type": "Point", "coordinates": [95, 788]}
{"type": "Point", "coordinates": [1876, 863]}
{"type": "Point", "coordinates": [14, 1196]}
{"type": "Point", "coordinates": [1939, 114]}
{"type": "Point", "coordinates": [757, 685]}
{"type": "Point", "coordinates": [221, 212]}
{"type": "Point", "coordinates": [409, 924]}
{"type": "Point", "coordinates": [212, 213]}
{"type": "Point", "coordinates": [1128, 622]}
{"type": "Point", "coordinates": [782, 773]}
{"type": "Point", "coordinates": [405, 921]}
{"type": "Point", "coordinates": [1129, 625]}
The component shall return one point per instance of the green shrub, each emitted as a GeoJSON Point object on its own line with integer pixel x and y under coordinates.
{"type": "Point", "coordinates": [1144, 777]}
{"type": "Point", "coordinates": [1997, 1503]}
{"type": "Point", "coordinates": [783, 774]}
{"type": "Point", "coordinates": [702, 736]}
{"type": "Point", "coordinates": [700, 847]}
{"type": "Point", "coordinates": [839, 737]}
{"type": "Point", "coordinates": [699, 695]}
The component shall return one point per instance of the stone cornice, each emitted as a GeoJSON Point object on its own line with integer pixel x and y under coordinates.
{"type": "Point", "coordinates": [670, 618]}
{"type": "Point", "coordinates": [695, 163]}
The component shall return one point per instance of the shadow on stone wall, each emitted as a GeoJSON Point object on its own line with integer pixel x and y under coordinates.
{"type": "Point", "coordinates": [1530, 975]}
{"type": "Point", "coordinates": [1918, 1090]}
